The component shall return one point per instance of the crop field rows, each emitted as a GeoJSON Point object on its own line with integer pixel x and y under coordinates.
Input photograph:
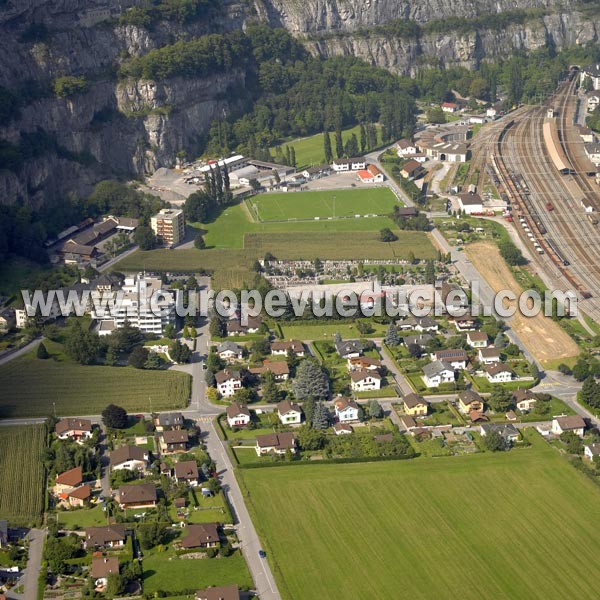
{"type": "Point", "coordinates": [37, 388]}
{"type": "Point", "coordinates": [21, 473]}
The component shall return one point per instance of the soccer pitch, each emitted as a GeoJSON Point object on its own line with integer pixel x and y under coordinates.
{"type": "Point", "coordinates": [516, 525]}
{"type": "Point", "coordinates": [323, 204]}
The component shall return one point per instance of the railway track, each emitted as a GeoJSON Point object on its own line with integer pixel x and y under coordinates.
{"type": "Point", "coordinates": [574, 237]}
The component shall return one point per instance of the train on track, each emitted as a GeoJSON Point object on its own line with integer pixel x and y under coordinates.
{"type": "Point", "coordinates": [552, 244]}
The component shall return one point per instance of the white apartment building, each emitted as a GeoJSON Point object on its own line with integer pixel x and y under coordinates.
{"type": "Point", "coordinates": [143, 303]}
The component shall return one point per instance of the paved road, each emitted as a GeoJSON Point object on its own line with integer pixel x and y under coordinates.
{"type": "Point", "coordinates": [29, 580]}
{"type": "Point", "coordinates": [113, 261]}
{"type": "Point", "coordinates": [24, 350]}
{"type": "Point", "coordinates": [249, 541]}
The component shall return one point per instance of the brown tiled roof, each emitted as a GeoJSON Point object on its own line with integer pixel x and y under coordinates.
{"type": "Point", "coordinates": [225, 375]}
{"type": "Point", "coordinates": [363, 374]}
{"type": "Point", "coordinates": [224, 592]}
{"type": "Point", "coordinates": [200, 534]}
{"type": "Point", "coordinates": [72, 477]}
{"type": "Point", "coordinates": [277, 367]}
{"type": "Point", "coordinates": [235, 409]}
{"type": "Point", "coordinates": [286, 406]}
{"type": "Point", "coordinates": [103, 566]}
{"type": "Point", "coordinates": [489, 352]}
{"type": "Point", "coordinates": [82, 493]}
{"type": "Point", "coordinates": [520, 394]}
{"type": "Point", "coordinates": [126, 453]}
{"type": "Point", "coordinates": [177, 436]}
{"type": "Point", "coordinates": [496, 368]}
{"type": "Point", "coordinates": [343, 427]}
{"type": "Point", "coordinates": [132, 494]}
{"type": "Point", "coordinates": [468, 396]}
{"type": "Point", "coordinates": [100, 536]}
{"type": "Point", "coordinates": [414, 400]}
{"type": "Point", "coordinates": [295, 345]}
{"type": "Point", "coordinates": [71, 424]}
{"type": "Point", "coordinates": [342, 403]}
{"type": "Point", "coordinates": [279, 441]}
{"type": "Point", "coordinates": [187, 469]}
{"type": "Point", "coordinates": [570, 422]}
{"type": "Point", "coordinates": [477, 336]}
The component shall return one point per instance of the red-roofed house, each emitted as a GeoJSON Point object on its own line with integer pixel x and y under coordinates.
{"type": "Point", "coordinates": [449, 107]}
{"type": "Point", "coordinates": [371, 175]}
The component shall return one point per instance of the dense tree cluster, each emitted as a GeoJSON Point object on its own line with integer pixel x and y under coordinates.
{"type": "Point", "coordinates": [204, 204]}
{"type": "Point", "coordinates": [296, 94]}
{"type": "Point", "coordinates": [201, 57]}
{"type": "Point", "coordinates": [149, 12]}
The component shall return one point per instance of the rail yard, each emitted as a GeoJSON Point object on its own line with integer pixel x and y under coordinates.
{"type": "Point", "coordinates": [538, 164]}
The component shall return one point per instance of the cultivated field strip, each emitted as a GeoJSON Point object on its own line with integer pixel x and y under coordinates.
{"type": "Point", "coordinates": [22, 473]}
{"type": "Point", "coordinates": [38, 388]}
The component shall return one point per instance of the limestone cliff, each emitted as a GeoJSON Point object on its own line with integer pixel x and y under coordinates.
{"type": "Point", "coordinates": [133, 127]}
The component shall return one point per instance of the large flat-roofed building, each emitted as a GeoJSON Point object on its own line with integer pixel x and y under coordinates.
{"type": "Point", "coordinates": [143, 304]}
{"type": "Point", "coordinates": [169, 226]}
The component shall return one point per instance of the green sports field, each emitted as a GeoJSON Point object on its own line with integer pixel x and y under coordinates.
{"type": "Point", "coordinates": [516, 525]}
{"type": "Point", "coordinates": [323, 204]}
{"type": "Point", "coordinates": [234, 241]}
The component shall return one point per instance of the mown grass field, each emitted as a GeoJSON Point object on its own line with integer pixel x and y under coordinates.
{"type": "Point", "coordinates": [234, 242]}
{"type": "Point", "coordinates": [510, 525]}
{"type": "Point", "coordinates": [310, 150]}
{"type": "Point", "coordinates": [173, 574]}
{"type": "Point", "coordinates": [323, 204]}
{"type": "Point", "coordinates": [30, 386]}
{"type": "Point", "coordinates": [22, 473]}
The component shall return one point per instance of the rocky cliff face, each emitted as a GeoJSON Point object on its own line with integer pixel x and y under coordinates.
{"type": "Point", "coordinates": [134, 127]}
{"type": "Point", "coordinates": [403, 56]}
{"type": "Point", "coordinates": [300, 17]}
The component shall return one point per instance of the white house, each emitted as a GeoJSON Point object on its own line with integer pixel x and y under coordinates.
{"type": "Point", "coordinates": [436, 373]}
{"type": "Point", "coordinates": [470, 203]}
{"type": "Point", "coordinates": [572, 423]}
{"type": "Point", "coordinates": [525, 400]}
{"type": "Point", "coordinates": [238, 415]}
{"type": "Point", "coordinates": [276, 443]}
{"type": "Point", "coordinates": [289, 413]}
{"type": "Point", "coordinates": [498, 373]}
{"type": "Point", "coordinates": [283, 347]}
{"type": "Point", "coordinates": [74, 428]}
{"type": "Point", "coordinates": [456, 358]}
{"type": "Point", "coordinates": [593, 152]}
{"type": "Point", "coordinates": [488, 356]}
{"type": "Point", "coordinates": [591, 451]}
{"type": "Point", "coordinates": [342, 429]}
{"type": "Point", "coordinates": [593, 100]}
{"type": "Point", "coordinates": [406, 148]}
{"type": "Point", "coordinates": [371, 175]}
{"type": "Point", "coordinates": [133, 458]}
{"type": "Point", "coordinates": [364, 380]}
{"type": "Point", "coordinates": [346, 410]}
{"type": "Point", "coordinates": [477, 339]}
{"type": "Point", "coordinates": [228, 382]}
{"type": "Point", "coordinates": [449, 107]}
{"type": "Point", "coordinates": [230, 351]}
{"type": "Point", "coordinates": [349, 348]}
{"type": "Point", "coordinates": [349, 164]}
{"type": "Point", "coordinates": [506, 430]}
